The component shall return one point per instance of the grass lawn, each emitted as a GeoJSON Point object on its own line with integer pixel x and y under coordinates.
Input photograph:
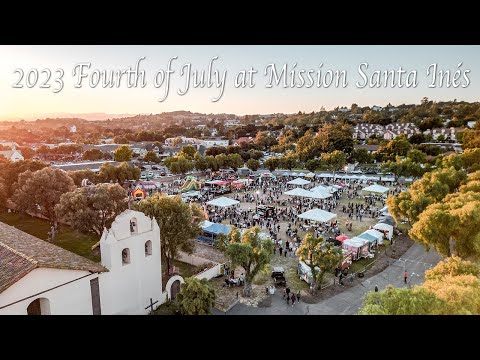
{"type": "Point", "coordinates": [185, 269]}
{"type": "Point", "coordinates": [67, 238]}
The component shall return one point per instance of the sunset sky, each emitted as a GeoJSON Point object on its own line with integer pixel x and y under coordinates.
{"type": "Point", "coordinates": [30, 103]}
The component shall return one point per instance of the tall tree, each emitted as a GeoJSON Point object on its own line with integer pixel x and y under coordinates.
{"type": "Point", "coordinates": [250, 250]}
{"type": "Point", "coordinates": [334, 161]}
{"type": "Point", "coordinates": [235, 161]}
{"type": "Point", "coordinates": [394, 301]}
{"type": "Point", "coordinates": [91, 209]}
{"type": "Point", "coordinates": [200, 162]}
{"type": "Point", "coordinates": [253, 164]}
{"type": "Point", "coordinates": [79, 175]}
{"type": "Point", "coordinates": [40, 191]}
{"type": "Point", "coordinates": [178, 222]}
{"type": "Point", "coordinates": [10, 170]}
{"type": "Point", "coordinates": [187, 151]}
{"type": "Point", "coordinates": [92, 155]}
{"type": "Point", "coordinates": [272, 163]}
{"type": "Point", "coordinates": [431, 188]}
{"type": "Point", "coordinates": [196, 297]}
{"type": "Point", "coordinates": [318, 254]}
{"type": "Point", "coordinates": [123, 153]}
{"type": "Point", "coordinates": [150, 156]}
{"type": "Point", "coordinates": [362, 156]}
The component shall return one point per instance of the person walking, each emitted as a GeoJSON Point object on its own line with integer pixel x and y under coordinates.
{"type": "Point", "coordinates": [405, 276]}
{"type": "Point", "coordinates": [298, 296]}
{"type": "Point", "coordinates": [293, 299]}
{"type": "Point", "coordinates": [340, 279]}
{"type": "Point", "coordinates": [376, 288]}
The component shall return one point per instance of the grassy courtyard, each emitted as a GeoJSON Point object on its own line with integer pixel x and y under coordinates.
{"type": "Point", "coordinates": [67, 238]}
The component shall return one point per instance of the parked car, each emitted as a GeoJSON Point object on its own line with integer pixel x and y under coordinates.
{"type": "Point", "coordinates": [278, 275]}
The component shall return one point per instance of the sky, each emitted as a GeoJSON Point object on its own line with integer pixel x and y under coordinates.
{"type": "Point", "coordinates": [34, 102]}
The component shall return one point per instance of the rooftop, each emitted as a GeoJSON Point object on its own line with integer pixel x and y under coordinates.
{"type": "Point", "coordinates": [21, 253]}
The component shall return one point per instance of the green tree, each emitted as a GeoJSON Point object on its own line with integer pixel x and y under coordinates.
{"type": "Point", "coordinates": [452, 266]}
{"type": "Point", "coordinates": [394, 301]}
{"type": "Point", "coordinates": [313, 164]}
{"type": "Point", "coordinates": [250, 250]}
{"type": "Point", "coordinates": [120, 140]}
{"type": "Point", "coordinates": [318, 254]}
{"type": "Point", "coordinates": [212, 163]}
{"type": "Point", "coordinates": [181, 165]}
{"type": "Point", "coordinates": [10, 170]}
{"type": "Point", "coordinates": [272, 163]}
{"type": "Point", "coordinates": [40, 191]}
{"type": "Point", "coordinates": [452, 225]}
{"type": "Point", "coordinates": [265, 140]}
{"type": "Point", "coordinates": [120, 173]}
{"type": "Point", "coordinates": [253, 164]}
{"type": "Point", "coordinates": [123, 153]}
{"type": "Point", "coordinates": [362, 156]}
{"type": "Point", "coordinates": [431, 188]}
{"type": "Point", "coordinates": [398, 146]}
{"type": "Point", "coordinates": [196, 297]}
{"type": "Point", "coordinates": [187, 151]}
{"type": "Point", "coordinates": [417, 156]}
{"type": "Point", "coordinates": [471, 159]}
{"type": "Point", "coordinates": [92, 209]}
{"type": "Point", "coordinates": [234, 161]}
{"type": "Point", "coordinates": [150, 156]}
{"type": "Point", "coordinates": [200, 162]}
{"type": "Point", "coordinates": [178, 222]}
{"type": "Point", "coordinates": [92, 155]}
{"type": "Point", "coordinates": [79, 175]}
{"type": "Point", "coordinates": [222, 161]}
{"type": "Point", "coordinates": [334, 161]}
{"type": "Point", "coordinates": [288, 162]}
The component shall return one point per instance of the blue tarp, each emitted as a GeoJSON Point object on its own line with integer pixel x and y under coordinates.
{"type": "Point", "coordinates": [217, 229]}
{"type": "Point", "coordinates": [368, 237]}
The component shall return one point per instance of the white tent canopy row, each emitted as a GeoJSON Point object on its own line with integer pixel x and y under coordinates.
{"type": "Point", "coordinates": [321, 191]}
{"type": "Point", "coordinates": [318, 215]}
{"type": "Point", "coordinates": [379, 189]}
{"type": "Point", "coordinates": [306, 193]}
{"type": "Point", "coordinates": [223, 202]}
{"type": "Point", "coordinates": [298, 181]}
{"type": "Point", "coordinates": [385, 227]}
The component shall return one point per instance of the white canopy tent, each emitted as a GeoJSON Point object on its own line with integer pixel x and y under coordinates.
{"type": "Point", "coordinates": [321, 191]}
{"type": "Point", "coordinates": [223, 202]}
{"type": "Point", "coordinates": [298, 181]}
{"type": "Point", "coordinates": [379, 189]}
{"type": "Point", "coordinates": [375, 233]}
{"type": "Point", "coordinates": [385, 227]}
{"type": "Point", "coordinates": [318, 215]}
{"type": "Point", "coordinates": [301, 174]}
{"type": "Point", "coordinates": [304, 193]}
{"type": "Point", "coordinates": [310, 175]}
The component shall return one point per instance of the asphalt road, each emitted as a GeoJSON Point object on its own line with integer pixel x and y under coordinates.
{"type": "Point", "coordinates": [415, 260]}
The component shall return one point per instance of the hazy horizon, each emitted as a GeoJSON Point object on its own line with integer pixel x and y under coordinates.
{"type": "Point", "coordinates": [33, 103]}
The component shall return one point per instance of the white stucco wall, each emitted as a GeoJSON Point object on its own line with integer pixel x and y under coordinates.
{"type": "Point", "coordinates": [127, 289]}
{"type": "Point", "coordinates": [71, 299]}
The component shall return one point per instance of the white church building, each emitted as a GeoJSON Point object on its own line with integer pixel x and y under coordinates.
{"type": "Point", "coordinates": [37, 277]}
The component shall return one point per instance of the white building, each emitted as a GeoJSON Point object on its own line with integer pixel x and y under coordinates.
{"type": "Point", "coordinates": [376, 108]}
{"type": "Point", "coordinates": [232, 122]}
{"type": "Point", "coordinates": [215, 142]}
{"type": "Point", "coordinates": [37, 277]}
{"type": "Point", "coordinates": [13, 155]}
{"type": "Point", "coordinates": [73, 129]}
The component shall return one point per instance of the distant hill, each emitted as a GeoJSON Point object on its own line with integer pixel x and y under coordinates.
{"type": "Point", "coordinates": [60, 115]}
